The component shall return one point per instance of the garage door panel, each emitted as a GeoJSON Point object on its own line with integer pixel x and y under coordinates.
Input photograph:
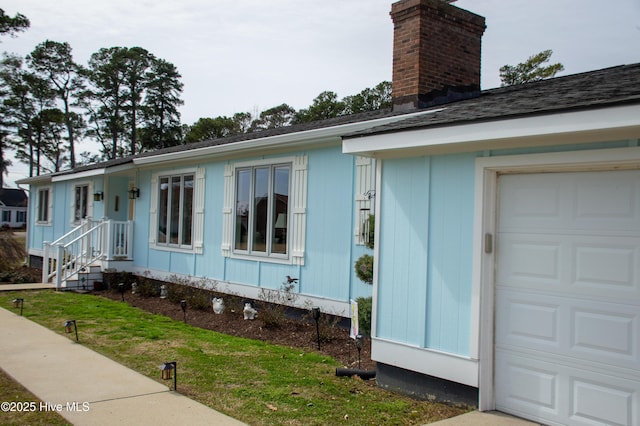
{"type": "Point", "coordinates": [593, 265]}
{"type": "Point", "coordinates": [605, 333]}
{"type": "Point", "coordinates": [567, 288]}
{"type": "Point", "coordinates": [600, 403]}
{"type": "Point", "coordinates": [581, 329]}
{"type": "Point", "coordinates": [527, 320]}
{"type": "Point", "coordinates": [594, 202]}
{"type": "Point", "coordinates": [553, 391]}
{"type": "Point", "coordinates": [526, 259]}
{"type": "Point", "coordinates": [527, 385]}
{"type": "Point", "coordinates": [608, 264]}
{"type": "Point", "coordinates": [607, 201]}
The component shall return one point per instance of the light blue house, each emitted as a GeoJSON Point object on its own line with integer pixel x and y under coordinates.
{"type": "Point", "coordinates": [507, 251]}
{"type": "Point", "coordinates": [508, 236]}
{"type": "Point", "coordinates": [241, 213]}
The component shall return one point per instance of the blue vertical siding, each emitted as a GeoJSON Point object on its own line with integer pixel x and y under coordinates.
{"type": "Point", "coordinates": [425, 252]}
{"type": "Point", "coordinates": [327, 269]}
{"type": "Point", "coordinates": [403, 247]}
{"type": "Point", "coordinates": [450, 253]}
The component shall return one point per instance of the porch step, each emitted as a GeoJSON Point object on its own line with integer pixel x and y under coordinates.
{"type": "Point", "coordinates": [85, 280]}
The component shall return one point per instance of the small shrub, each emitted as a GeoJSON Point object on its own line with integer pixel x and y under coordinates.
{"type": "Point", "coordinates": [364, 315]}
{"type": "Point", "coordinates": [327, 325]}
{"type": "Point", "coordinates": [147, 286]}
{"type": "Point", "coordinates": [272, 312]}
{"type": "Point", "coordinates": [198, 293]}
{"type": "Point", "coordinates": [364, 268]}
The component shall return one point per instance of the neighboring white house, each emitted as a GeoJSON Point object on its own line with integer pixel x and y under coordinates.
{"type": "Point", "coordinates": [13, 208]}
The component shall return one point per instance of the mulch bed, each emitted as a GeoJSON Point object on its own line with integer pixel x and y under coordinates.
{"type": "Point", "coordinates": [298, 333]}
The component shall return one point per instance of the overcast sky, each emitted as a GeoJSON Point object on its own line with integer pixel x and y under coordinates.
{"type": "Point", "coordinates": [249, 55]}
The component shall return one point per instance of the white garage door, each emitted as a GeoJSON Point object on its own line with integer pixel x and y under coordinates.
{"type": "Point", "coordinates": [567, 324]}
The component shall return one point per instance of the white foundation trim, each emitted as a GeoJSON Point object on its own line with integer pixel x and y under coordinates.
{"type": "Point", "coordinates": [444, 365]}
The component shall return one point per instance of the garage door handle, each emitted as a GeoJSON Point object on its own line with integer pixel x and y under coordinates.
{"type": "Point", "coordinates": [488, 243]}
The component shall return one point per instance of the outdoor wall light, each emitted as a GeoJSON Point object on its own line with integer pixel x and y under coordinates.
{"type": "Point", "coordinates": [169, 371]}
{"type": "Point", "coordinates": [18, 302]}
{"type": "Point", "coordinates": [183, 305]}
{"type": "Point", "coordinates": [98, 196]}
{"type": "Point", "coordinates": [134, 193]}
{"type": "Point", "coordinates": [69, 326]}
{"type": "Point", "coordinates": [316, 316]}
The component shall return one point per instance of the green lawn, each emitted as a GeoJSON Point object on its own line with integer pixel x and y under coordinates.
{"type": "Point", "coordinates": [255, 382]}
{"type": "Point", "coordinates": [13, 392]}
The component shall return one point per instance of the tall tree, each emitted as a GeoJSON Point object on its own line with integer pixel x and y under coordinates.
{"type": "Point", "coordinates": [369, 99]}
{"type": "Point", "coordinates": [54, 61]}
{"type": "Point", "coordinates": [325, 105]}
{"type": "Point", "coordinates": [25, 96]}
{"type": "Point", "coordinates": [161, 116]}
{"type": "Point", "coordinates": [530, 70]}
{"type": "Point", "coordinates": [278, 116]}
{"type": "Point", "coordinates": [105, 100]}
{"type": "Point", "coordinates": [11, 26]}
{"type": "Point", "coordinates": [136, 64]}
{"type": "Point", "coordinates": [211, 128]}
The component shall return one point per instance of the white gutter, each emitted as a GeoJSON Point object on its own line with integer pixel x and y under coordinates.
{"type": "Point", "coordinates": [34, 180]}
{"type": "Point", "coordinates": [603, 124]}
{"type": "Point", "coordinates": [307, 137]}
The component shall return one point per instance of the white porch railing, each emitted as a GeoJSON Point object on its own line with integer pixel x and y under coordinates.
{"type": "Point", "coordinates": [92, 240]}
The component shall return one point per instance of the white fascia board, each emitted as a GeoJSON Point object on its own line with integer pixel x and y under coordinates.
{"type": "Point", "coordinates": [79, 175]}
{"type": "Point", "coordinates": [602, 124]}
{"type": "Point", "coordinates": [34, 180]}
{"type": "Point", "coordinates": [304, 138]}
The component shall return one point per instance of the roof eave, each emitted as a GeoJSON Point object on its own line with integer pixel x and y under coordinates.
{"type": "Point", "coordinates": [570, 127]}
{"type": "Point", "coordinates": [307, 138]}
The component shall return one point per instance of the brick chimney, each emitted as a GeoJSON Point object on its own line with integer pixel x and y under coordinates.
{"type": "Point", "coordinates": [436, 53]}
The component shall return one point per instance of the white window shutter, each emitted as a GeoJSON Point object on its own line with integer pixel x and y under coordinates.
{"type": "Point", "coordinates": [50, 206]}
{"type": "Point", "coordinates": [198, 207]}
{"type": "Point", "coordinates": [364, 184]}
{"type": "Point", "coordinates": [153, 210]}
{"type": "Point", "coordinates": [299, 210]}
{"type": "Point", "coordinates": [227, 210]}
{"type": "Point", "coordinates": [72, 205]}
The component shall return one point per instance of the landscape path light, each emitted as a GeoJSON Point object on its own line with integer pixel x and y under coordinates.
{"type": "Point", "coordinates": [169, 371]}
{"type": "Point", "coordinates": [183, 305]}
{"type": "Point", "coordinates": [19, 301]}
{"type": "Point", "coordinates": [359, 339]}
{"type": "Point", "coordinates": [69, 326]}
{"type": "Point", "coordinates": [316, 316]}
{"type": "Point", "coordinates": [121, 289]}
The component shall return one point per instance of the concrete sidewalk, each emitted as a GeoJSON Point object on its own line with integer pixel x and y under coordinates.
{"type": "Point", "coordinates": [61, 372]}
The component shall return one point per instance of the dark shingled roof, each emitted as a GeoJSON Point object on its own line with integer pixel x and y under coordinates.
{"type": "Point", "coordinates": [320, 124]}
{"type": "Point", "coordinates": [606, 87]}
{"type": "Point", "coordinates": [13, 197]}
{"type": "Point", "coordinates": [616, 85]}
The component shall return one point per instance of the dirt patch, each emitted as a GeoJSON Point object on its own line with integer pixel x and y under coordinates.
{"type": "Point", "coordinates": [298, 333]}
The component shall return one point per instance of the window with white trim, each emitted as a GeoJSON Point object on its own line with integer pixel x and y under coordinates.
{"type": "Point", "coordinates": [262, 209]}
{"type": "Point", "coordinates": [44, 205]}
{"type": "Point", "coordinates": [177, 209]}
{"type": "Point", "coordinates": [264, 213]}
{"type": "Point", "coordinates": [21, 216]}
{"type": "Point", "coordinates": [80, 202]}
{"type": "Point", "coordinates": [6, 215]}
